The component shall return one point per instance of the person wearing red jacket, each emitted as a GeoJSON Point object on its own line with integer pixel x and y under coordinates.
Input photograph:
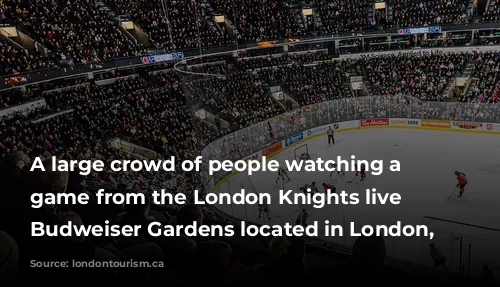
{"type": "Point", "coordinates": [462, 182]}
{"type": "Point", "coordinates": [361, 170]}
{"type": "Point", "coordinates": [302, 218]}
{"type": "Point", "coordinates": [329, 187]}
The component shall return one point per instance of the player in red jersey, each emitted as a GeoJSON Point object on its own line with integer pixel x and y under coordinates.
{"type": "Point", "coordinates": [462, 181]}
{"type": "Point", "coordinates": [329, 187]}
{"type": "Point", "coordinates": [361, 171]}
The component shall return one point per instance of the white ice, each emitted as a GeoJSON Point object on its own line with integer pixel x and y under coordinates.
{"type": "Point", "coordinates": [428, 160]}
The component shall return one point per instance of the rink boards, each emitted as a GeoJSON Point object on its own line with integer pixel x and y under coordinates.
{"type": "Point", "coordinates": [299, 138]}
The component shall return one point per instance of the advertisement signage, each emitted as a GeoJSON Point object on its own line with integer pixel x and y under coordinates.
{"type": "Point", "coordinates": [252, 157]}
{"type": "Point", "coordinates": [467, 125]}
{"type": "Point", "coordinates": [491, 127]}
{"type": "Point", "coordinates": [318, 130]}
{"type": "Point", "coordinates": [272, 149]}
{"type": "Point", "coordinates": [420, 30]}
{"type": "Point", "coordinates": [293, 139]}
{"type": "Point", "coordinates": [422, 52]}
{"type": "Point", "coordinates": [162, 57]}
{"type": "Point", "coordinates": [436, 124]}
{"type": "Point", "coordinates": [404, 122]}
{"type": "Point", "coordinates": [374, 122]}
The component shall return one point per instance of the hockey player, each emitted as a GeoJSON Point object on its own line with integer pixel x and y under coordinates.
{"type": "Point", "coordinates": [313, 187]}
{"type": "Point", "coordinates": [281, 174]}
{"type": "Point", "coordinates": [330, 187]}
{"type": "Point", "coordinates": [264, 208]}
{"type": "Point", "coordinates": [302, 218]}
{"type": "Point", "coordinates": [462, 182]}
{"type": "Point", "coordinates": [304, 188]}
{"type": "Point", "coordinates": [339, 172]}
{"type": "Point", "coordinates": [309, 188]}
{"type": "Point", "coordinates": [360, 169]}
{"type": "Point", "coordinates": [305, 156]}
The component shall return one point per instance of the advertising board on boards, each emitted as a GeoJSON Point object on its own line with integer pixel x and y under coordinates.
{"type": "Point", "coordinates": [270, 150]}
{"type": "Point", "coordinates": [467, 125]}
{"type": "Point", "coordinates": [254, 156]}
{"type": "Point", "coordinates": [293, 139]}
{"type": "Point", "coordinates": [321, 129]}
{"type": "Point", "coordinates": [374, 122]}
{"type": "Point", "coordinates": [404, 122]}
{"type": "Point", "coordinates": [436, 124]}
{"type": "Point", "coordinates": [492, 126]}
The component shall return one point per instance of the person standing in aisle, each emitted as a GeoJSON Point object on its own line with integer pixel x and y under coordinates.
{"type": "Point", "coordinates": [330, 133]}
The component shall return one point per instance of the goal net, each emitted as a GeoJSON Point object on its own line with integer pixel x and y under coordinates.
{"type": "Point", "coordinates": [300, 150]}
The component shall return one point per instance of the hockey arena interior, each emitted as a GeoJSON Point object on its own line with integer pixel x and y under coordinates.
{"type": "Point", "coordinates": [414, 81]}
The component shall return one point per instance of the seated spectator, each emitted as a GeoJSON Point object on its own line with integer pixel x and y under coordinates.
{"type": "Point", "coordinates": [9, 257]}
{"type": "Point", "coordinates": [189, 214]}
{"type": "Point", "coordinates": [487, 276]}
{"type": "Point", "coordinates": [492, 13]}
{"type": "Point", "coordinates": [437, 257]}
{"type": "Point", "coordinates": [214, 260]}
{"type": "Point", "coordinates": [286, 265]}
{"type": "Point", "coordinates": [367, 264]}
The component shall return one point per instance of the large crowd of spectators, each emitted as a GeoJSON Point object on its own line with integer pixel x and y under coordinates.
{"type": "Point", "coordinates": [18, 60]}
{"type": "Point", "coordinates": [73, 31]}
{"type": "Point", "coordinates": [175, 25]}
{"type": "Point", "coordinates": [152, 107]}
{"type": "Point", "coordinates": [408, 13]}
{"type": "Point", "coordinates": [344, 17]}
{"type": "Point", "coordinates": [486, 88]}
{"type": "Point", "coordinates": [424, 77]}
{"type": "Point", "coordinates": [257, 20]}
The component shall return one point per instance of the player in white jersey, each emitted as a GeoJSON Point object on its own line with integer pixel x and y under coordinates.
{"type": "Point", "coordinates": [305, 156]}
{"type": "Point", "coordinates": [309, 188]}
{"type": "Point", "coordinates": [281, 175]}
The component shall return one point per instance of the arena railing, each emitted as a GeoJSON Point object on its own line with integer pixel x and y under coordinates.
{"type": "Point", "coordinates": [244, 143]}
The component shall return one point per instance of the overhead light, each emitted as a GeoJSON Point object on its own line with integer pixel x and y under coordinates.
{"type": "Point", "coordinates": [127, 25]}
{"type": "Point", "coordinates": [307, 12]}
{"type": "Point", "coordinates": [9, 31]}
{"type": "Point", "coordinates": [220, 19]}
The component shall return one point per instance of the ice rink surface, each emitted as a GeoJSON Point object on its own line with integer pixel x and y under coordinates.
{"type": "Point", "coordinates": [428, 160]}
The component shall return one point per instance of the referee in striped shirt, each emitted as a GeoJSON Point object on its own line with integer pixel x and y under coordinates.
{"type": "Point", "coordinates": [330, 133]}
